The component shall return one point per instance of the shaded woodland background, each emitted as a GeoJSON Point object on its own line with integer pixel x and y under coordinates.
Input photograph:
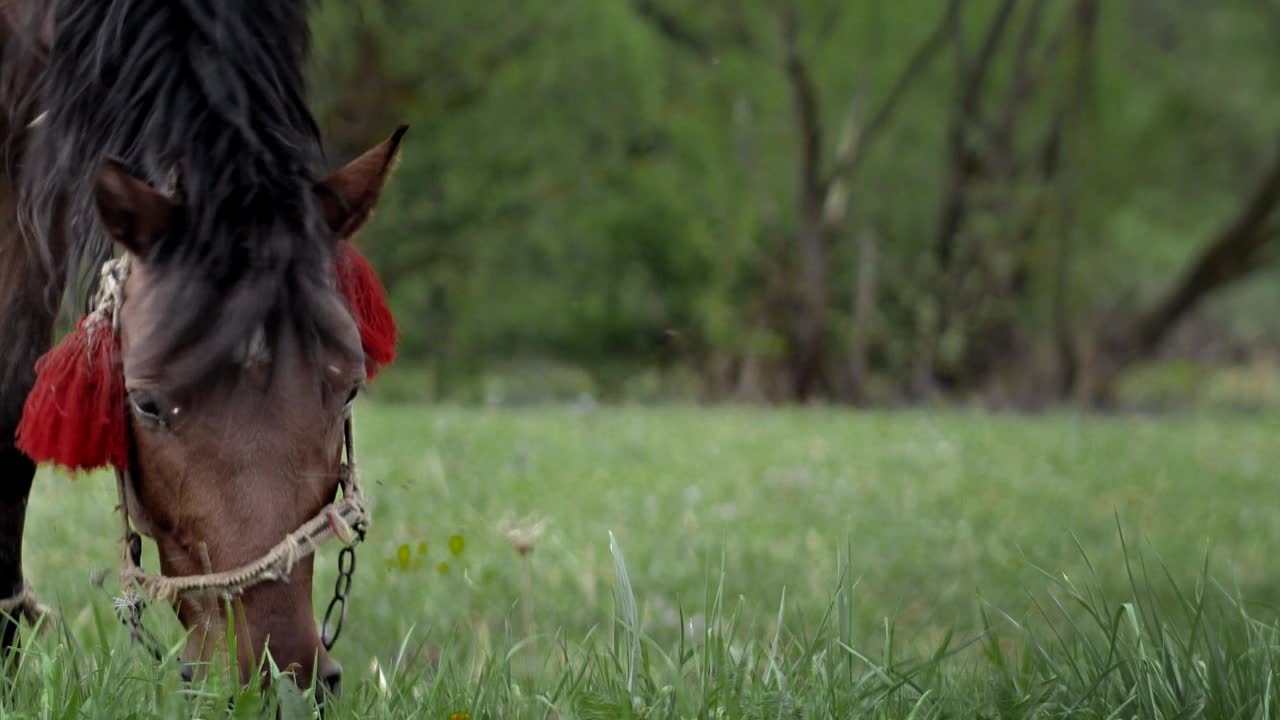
{"type": "Point", "coordinates": [1019, 203]}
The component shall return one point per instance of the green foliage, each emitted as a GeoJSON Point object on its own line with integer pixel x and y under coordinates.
{"type": "Point", "coordinates": [585, 181]}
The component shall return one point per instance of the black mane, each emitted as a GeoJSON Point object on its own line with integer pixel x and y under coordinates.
{"type": "Point", "coordinates": [205, 98]}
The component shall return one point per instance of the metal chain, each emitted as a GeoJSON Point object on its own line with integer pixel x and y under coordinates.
{"type": "Point", "coordinates": [336, 614]}
{"type": "Point", "coordinates": [131, 616]}
{"type": "Point", "coordinates": [131, 606]}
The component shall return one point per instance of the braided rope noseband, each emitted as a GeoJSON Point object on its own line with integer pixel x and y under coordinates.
{"type": "Point", "coordinates": [345, 519]}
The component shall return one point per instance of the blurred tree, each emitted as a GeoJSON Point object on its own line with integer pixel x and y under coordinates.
{"type": "Point", "coordinates": [1010, 199]}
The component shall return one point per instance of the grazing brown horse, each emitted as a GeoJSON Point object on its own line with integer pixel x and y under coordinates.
{"type": "Point", "coordinates": [175, 133]}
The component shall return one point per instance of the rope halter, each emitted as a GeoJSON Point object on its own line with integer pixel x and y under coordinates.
{"type": "Point", "coordinates": [346, 518]}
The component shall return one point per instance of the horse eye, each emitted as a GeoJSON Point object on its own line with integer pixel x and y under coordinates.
{"type": "Point", "coordinates": [145, 406]}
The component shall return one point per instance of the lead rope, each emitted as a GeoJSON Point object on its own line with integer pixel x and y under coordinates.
{"type": "Point", "coordinates": [25, 604]}
{"type": "Point", "coordinates": [130, 604]}
{"type": "Point", "coordinates": [346, 519]}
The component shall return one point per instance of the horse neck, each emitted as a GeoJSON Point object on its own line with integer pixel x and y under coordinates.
{"type": "Point", "coordinates": [31, 285]}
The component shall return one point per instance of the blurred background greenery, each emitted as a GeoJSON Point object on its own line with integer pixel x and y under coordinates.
{"type": "Point", "coordinates": [1017, 203]}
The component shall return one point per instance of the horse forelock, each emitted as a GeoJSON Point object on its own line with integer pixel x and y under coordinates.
{"type": "Point", "coordinates": [204, 98]}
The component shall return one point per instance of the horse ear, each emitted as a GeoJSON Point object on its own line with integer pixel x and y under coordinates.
{"type": "Point", "coordinates": [134, 214]}
{"type": "Point", "coordinates": [348, 196]}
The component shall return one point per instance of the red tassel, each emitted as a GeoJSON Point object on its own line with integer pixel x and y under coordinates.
{"type": "Point", "coordinates": [74, 416]}
{"type": "Point", "coordinates": [366, 296]}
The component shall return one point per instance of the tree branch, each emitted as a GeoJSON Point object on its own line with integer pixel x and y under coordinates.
{"type": "Point", "coordinates": [971, 95]}
{"type": "Point", "coordinates": [429, 258]}
{"type": "Point", "coordinates": [804, 102]}
{"type": "Point", "coordinates": [1230, 257]}
{"type": "Point", "coordinates": [965, 114]}
{"type": "Point", "coordinates": [849, 161]}
{"type": "Point", "coordinates": [670, 27]}
{"type": "Point", "coordinates": [1022, 86]}
{"type": "Point", "coordinates": [1049, 153]}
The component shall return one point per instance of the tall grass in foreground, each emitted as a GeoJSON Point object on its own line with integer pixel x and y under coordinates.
{"type": "Point", "coordinates": [1078, 654]}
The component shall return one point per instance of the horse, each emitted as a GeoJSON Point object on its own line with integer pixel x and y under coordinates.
{"type": "Point", "coordinates": [172, 138]}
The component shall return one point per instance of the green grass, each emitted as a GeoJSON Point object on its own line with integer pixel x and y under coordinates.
{"type": "Point", "coordinates": [788, 564]}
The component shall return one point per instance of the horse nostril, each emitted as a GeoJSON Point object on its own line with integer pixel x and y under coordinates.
{"type": "Point", "coordinates": [187, 672]}
{"type": "Point", "coordinates": [332, 679]}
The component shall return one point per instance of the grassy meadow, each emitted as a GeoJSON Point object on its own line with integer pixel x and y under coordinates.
{"type": "Point", "coordinates": [765, 563]}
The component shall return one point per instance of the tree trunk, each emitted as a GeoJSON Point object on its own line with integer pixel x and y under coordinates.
{"type": "Point", "coordinates": [1233, 254]}
{"type": "Point", "coordinates": [808, 341]}
{"type": "Point", "coordinates": [862, 314]}
{"type": "Point", "coordinates": [810, 288]}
